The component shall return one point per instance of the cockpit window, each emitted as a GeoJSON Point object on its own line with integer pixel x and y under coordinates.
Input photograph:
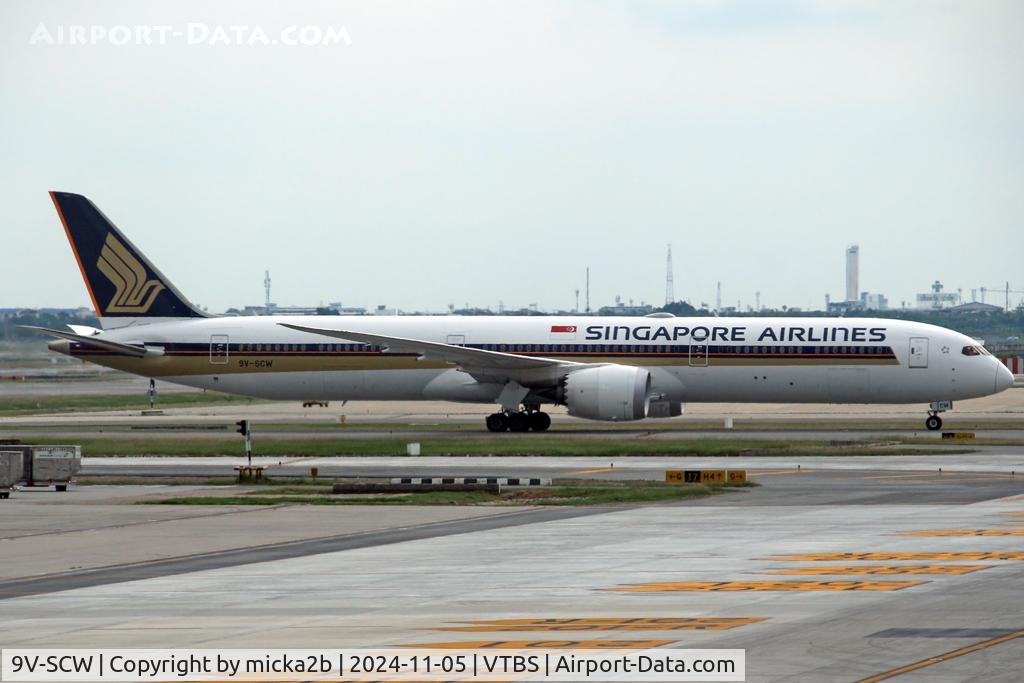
{"type": "Point", "coordinates": [971, 351]}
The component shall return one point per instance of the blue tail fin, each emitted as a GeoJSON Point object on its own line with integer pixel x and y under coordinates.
{"type": "Point", "coordinates": [122, 282]}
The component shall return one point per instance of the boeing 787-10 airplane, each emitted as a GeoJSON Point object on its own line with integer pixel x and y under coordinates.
{"type": "Point", "coordinates": [600, 368]}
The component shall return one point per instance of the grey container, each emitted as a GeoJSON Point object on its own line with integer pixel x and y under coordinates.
{"type": "Point", "coordinates": [48, 465]}
{"type": "Point", "coordinates": [10, 471]}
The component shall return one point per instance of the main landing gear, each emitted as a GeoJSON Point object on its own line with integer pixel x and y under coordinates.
{"type": "Point", "coordinates": [934, 422]}
{"type": "Point", "coordinates": [518, 421]}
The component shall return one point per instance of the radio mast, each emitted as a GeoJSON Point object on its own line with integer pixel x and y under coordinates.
{"type": "Point", "coordinates": [670, 294]}
{"type": "Point", "coordinates": [588, 289]}
{"type": "Point", "coordinates": [266, 287]}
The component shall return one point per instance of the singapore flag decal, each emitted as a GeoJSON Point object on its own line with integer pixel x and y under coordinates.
{"type": "Point", "coordinates": [563, 331]}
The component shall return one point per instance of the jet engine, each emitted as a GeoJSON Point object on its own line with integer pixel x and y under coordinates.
{"type": "Point", "coordinates": [608, 392]}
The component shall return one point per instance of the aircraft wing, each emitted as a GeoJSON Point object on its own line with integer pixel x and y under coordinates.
{"type": "Point", "coordinates": [128, 349]}
{"type": "Point", "coordinates": [484, 365]}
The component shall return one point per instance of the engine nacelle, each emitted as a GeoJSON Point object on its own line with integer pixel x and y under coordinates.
{"type": "Point", "coordinates": [664, 409]}
{"type": "Point", "coordinates": [608, 392]}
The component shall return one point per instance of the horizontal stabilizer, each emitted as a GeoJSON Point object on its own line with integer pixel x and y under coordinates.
{"type": "Point", "coordinates": [135, 350]}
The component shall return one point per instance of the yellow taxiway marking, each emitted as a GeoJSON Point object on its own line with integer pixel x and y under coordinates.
{"type": "Point", "coordinates": [881, 557]}
{"type": "Point", "coordinates": [885, 570]}
{"type": "Point", "coordinates": [960, 476]}
{"type": "Point", "coordinates": [963, 532]}
{"type": "Point", "coordinates": [1011, 499]}
{"type": "Point", "coordinates": [942, 658]}
{"type": "Point", "coordinates": [543, 644]}
{"type": "Point", "coordinates": [907, 475]}
{"type": "Point", "coordinates": [596, 471]}
{"type": "Point", "coordinates": [1015, 514]}
{"type": "Point", "coordinates": [608, 624]}
{"type": "Point", "coordinates": [714, 586]}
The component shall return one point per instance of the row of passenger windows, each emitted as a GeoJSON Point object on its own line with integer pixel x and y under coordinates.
{"type": "Point", "coordinates": [696, 348]}
{"type": "Point", "coordinates": [588, 348]}
{"type": "Point", "coordinates": [308, 347]}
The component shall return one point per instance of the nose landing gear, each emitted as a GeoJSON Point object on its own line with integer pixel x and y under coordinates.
{"type": "Point", "coordinates": [518, 421]}
{"type": "Point", "coordinates": [934, 422]}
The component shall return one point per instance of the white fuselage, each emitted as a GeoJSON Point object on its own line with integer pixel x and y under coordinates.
{"type": "Point", "coordinates": [819, 360]}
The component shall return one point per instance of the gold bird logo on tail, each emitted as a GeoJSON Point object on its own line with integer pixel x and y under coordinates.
{"type": "Point", "coordinates": [133, 291]}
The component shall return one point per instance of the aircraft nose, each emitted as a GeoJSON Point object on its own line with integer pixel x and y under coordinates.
{"type": "Point", "coordinates": [1004, 378]}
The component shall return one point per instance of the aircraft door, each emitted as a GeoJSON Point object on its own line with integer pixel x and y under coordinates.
{"type": "Point", "coordinates": [218, 349]}
{"type": "Point", "coordinates": [699, 355]}
{"type": "Point", "coordinates": [456, 339]}
{"type": "Point", "coordinates": [918, 352]}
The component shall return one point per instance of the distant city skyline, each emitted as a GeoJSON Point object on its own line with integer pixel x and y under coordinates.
{"type": "Point", "coordinates": [485, 152]}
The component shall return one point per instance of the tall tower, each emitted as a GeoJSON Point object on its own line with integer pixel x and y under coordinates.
{"type": "Point", "coordinates": [852, 272]}
{"type": "Point", "coordinates": [718, 297]}
{"type": "Point", "coordinates": [266, 287]}
{"type": "Point", "coordinates": [670, 294]}
{"type": "Point", "coordinates": [588, 289]}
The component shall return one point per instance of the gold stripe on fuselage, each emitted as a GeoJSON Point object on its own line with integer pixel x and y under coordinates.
{"type": "Point", "coordinates": [182, 364]}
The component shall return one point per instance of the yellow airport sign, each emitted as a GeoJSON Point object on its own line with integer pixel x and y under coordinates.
{"type": "Point", "coordinates": [713, 477]}
{"type": "Point", "coordinates": [884, 570]}
{"type": "Point", "coordinates": [543, 644]}
{"type": "Point", "coordinates": [737, 477]}
{"type": "Point", "coordinates": [607, 624]}
{"type": "Point", "coordinates": [957, 435]}
{"type": "Point", "coordinates": [964, 532]}
{"type": "Point", "coordinates": [731, 586]}
{"type": "Point", "coordinates": [882, 557]}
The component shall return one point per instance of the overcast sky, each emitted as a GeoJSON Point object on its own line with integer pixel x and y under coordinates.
{"type": "Point", "coordinates": [471, 152]}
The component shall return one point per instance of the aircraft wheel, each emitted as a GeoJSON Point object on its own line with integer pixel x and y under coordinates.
{"type": "Point", "coordinates": [518, 422]}
{"type": "Point", "coordinates": [539, 422]}
{"type": "Point", "coordinates": [497, 422]}
{"type": "Point", "coordinates": [933, 423]}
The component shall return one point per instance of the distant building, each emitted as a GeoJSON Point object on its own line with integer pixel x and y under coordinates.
{"type": "Point", "coordinates": [621, 308]}
{"type": "Point", "coordinates": [81, 312]}
{"type": "Point", "coordinates": [975, 307]}
{"type": "Point", "coordinates": [873, 302]}
{"type": "Point", "coordinates": [274, 309]}
{"type": "Point", "coordinates": [844, 307]}
{"type": "Point", "coordinates": [335, 308]}
{"type": "Point", "coordinates": [936, 298]}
